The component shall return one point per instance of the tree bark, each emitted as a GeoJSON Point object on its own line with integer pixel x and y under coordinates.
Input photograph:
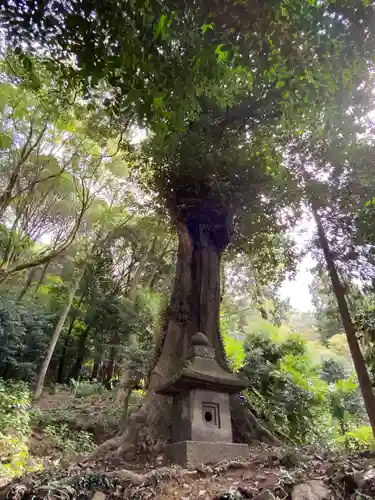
{"type": "Point", "coordinates": [195, 303]}
{"type": "Point", "coordinates": [98, 358]}
{"type": "Point", "coordinates": [351, 334]}
{"type": "Point", "coordinates": [60, 371]}
{"type": "Point", "coordinates": [27, 285]}
{"type": "Point", "coordinates": [77, 367]}
{"type": "Point", "coordinates": [55, 337]}
{"type": "Point", "coordinates": [109, 369]}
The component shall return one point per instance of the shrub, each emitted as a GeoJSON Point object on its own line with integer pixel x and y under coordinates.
{"type": "Point", "coordinates": [286, 387]}
{"type": "Point", "coordinates": [346, 404]}
{"type": "Point", "coordinates": [83, 389]}
{"type": "Point", "coordinates": [24, 331]}
{"type": "Point", "coordinates": [360, 438]}
{"type": "Point", "coordinates": [69, 442]}
{"type": "Point", "coordinates": [332, 371]}
{"type": "Point", "coordinates": [15, 430]}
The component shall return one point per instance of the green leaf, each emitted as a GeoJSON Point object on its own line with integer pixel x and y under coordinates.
{"type": "Point", "coordinates": [206, 27]}
{"type": "Point", "coordinates": [160, 27]}
{"type": "Point", "coordinates": [27, 64]}
{"type": "Point", "coordinates": [158, 103]}
{"type": "Point", "coordinates": [5, 141]}
{"type": "Point", "coordinates": [222, 55]}
{"type": "Point", "coordinates": [280, 84]}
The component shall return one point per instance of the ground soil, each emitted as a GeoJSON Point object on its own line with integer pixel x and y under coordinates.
{"type": "Point", "coordinates": [269, 474]}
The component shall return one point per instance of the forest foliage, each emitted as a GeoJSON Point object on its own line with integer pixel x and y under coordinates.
{"type": "Point", "coordinates": [194, 121]}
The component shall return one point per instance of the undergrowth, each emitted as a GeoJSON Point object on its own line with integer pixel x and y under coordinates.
{"type": "Point", "coordinates": [62, 425]}
{"type": "Point", "coordinates": [70, 444]}
{"type": "Point", "coordinates": [15, 430]}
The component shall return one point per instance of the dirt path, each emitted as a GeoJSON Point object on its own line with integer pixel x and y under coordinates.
{"type": "Point", "coordinates": [52, 401]}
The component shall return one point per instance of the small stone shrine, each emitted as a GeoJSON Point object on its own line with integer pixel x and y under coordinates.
{"type": "Point", "coordinates": [201, 423]}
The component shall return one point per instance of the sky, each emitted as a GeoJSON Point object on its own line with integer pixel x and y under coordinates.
{"type": "Point", "coordinates": [297, 290]}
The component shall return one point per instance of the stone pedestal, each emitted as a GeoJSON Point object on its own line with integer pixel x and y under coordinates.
{"type": "Point", "coordinates": [190, 454]}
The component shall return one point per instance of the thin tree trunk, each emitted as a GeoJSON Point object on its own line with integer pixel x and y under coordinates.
{"type": "Point", "coordinates": [154, 272]}
{"type": "Point", "coordinates": [10, 247]}
{"type": "Point", "coordinates": [95, 370]}
{"type": "Point", "coordinates": [25, 288]}
{"type": "Point", "coordinates": [76, 370]}
{"type": "Point", "coordinates": [132, 292]}
{"type": "Point", "coordinates": [27, 149]}
{"type": "Point", "coordinates": [125, 410]}
{"type": "Point", "coordinates": [60, 372]}
{"type": "Point", "coordinates": [357, 356]}
{"type": "Point", "coordinates": [109, 369]}
{"type": "Point", "coordinates": [42, 276]}
{"type": "Point", "coordinates": [96, 366]}
{"type": "Point", "coordinates": [55, 337]}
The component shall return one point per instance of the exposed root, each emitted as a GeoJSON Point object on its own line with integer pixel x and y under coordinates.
{"type": "Point", "coordinates": [111, 446]}
{"type": "Point", "coordinates": [247, 428]}
{"type": "Point", "coordinates": [269, 473]}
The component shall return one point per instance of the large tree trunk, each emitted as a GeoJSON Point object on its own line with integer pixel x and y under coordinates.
{"type": "Point", "coordinates": [194, 307]}
{"type": "Point", "coordinates": [195, 303]}
{"type": "Point", "coordinates": [338, 290]}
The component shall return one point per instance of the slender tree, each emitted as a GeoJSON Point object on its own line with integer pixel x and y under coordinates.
{"type": "Point", "coordinates": [350, 330]}
{"type": "Point", "coordinates": [56, 335]}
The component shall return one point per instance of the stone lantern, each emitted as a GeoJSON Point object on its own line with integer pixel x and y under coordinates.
{"type": "Point", "coordinates": [201, 422]}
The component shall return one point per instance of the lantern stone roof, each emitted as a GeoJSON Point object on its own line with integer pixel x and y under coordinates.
{"type": "Point", "coordinates": [201, 370]}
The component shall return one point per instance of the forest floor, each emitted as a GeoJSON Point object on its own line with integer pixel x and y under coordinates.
{"type": "Point", "coordinates": [67, 414]}
{"type": "Point", "coordinates": [76, 425]}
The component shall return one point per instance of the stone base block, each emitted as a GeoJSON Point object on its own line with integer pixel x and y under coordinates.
{"type": "Point", "coordinates": [190, 454]}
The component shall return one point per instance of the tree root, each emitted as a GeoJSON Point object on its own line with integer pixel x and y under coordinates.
{"type": "Point", "coordinates": [151, 478]}
{"type": "Point", "coordinates": [246, 427]}
{"type": "Point", "coordinates": [66, 486]}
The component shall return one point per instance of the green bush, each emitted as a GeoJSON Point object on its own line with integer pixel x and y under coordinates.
{"type": "Point", "coordinates": [24, 331]}
{"type": "Point", "coordinates": [358, 439]}
{"type": "Point", "coordinates": [290, 391]}
{"type": "Point", "coordinates": [15, 430]}
{"type": "Point", "coordinates": [346, 404]}
{"type": "Point", "coordinates": [84, 389]}
{"type": "Point", "coordinates": [70, 442]}
{"type": "Point", "coordinates": [286, 387]}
